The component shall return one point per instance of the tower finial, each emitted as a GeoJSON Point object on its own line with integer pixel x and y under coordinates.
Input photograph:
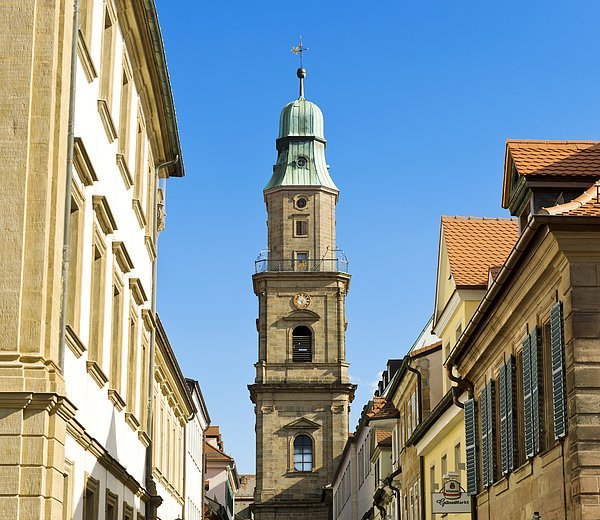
{"type": "Point", "coordinates": [298, 50]}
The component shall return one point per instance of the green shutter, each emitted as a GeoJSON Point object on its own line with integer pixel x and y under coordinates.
{"type": "Point", "coordinates": [503, 420]}
{"type": "Point", "coordinates": [536, 385]}
{"type": "Point", "coordinates": [470, 446]}
{"type": "Point", "coordinates": [511, 423]}
{"type": "Point", "coordinates": [484, 438]}
{"type": "Point", "coordinates": [527, 410]}
{"type": "Point", "coordinates": [491, 426]}
{"type": "Point", "coordinates": [557, 345]}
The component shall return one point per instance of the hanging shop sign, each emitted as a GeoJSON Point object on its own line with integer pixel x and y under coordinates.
{"type": "Point", "coordinates": [452, 499]}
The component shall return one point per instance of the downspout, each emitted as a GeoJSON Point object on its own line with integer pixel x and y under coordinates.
{"type": "Point", "coordinates": [419, 388]}
{"type": "Point", "coordinates": [388, 482]}
{"type": "Point", "coordinates": [422, 486]}
{"type": "Point", "coordinates": [381, 510]}
{"type": "Point", "coordinates": [461, 384]}
{"type": "Point", "coordinates": [155, 500]}
{"type": "Point", "coordinates": [62, 329]}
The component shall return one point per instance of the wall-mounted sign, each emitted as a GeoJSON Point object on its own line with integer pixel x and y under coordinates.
{"type": "Point", "coordinates": [452, 499]}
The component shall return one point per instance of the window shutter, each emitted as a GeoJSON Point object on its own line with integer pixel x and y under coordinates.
{"type": "Point", "coordinates": [470, 442]}
{"type": "Point", "coordinates": [504, 464]}
{"type": "Point", "coordinates": [557, 345]}
{"type": "Point", "coordinates": [528, 420]}
{"type": "Point", "coordinates": [536, 401]}
{"type": "Point", "coordinates": [491, 425]}
{"type": "Point", "coordinates": [484, 438]}
{"type": "Point", "coordinates": [511, 423]}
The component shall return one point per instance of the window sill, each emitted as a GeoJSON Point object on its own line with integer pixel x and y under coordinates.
{"type": "Point", "coordinates": [124, 170]}
{"type": "Point", "coordinates": [501, 486]}
{"type": "Point", "coordinates": [523, 472]}
{"type": "Point", "coordinates": [295, 473]}
{"type": "Point", "coordinates": [550, 455]}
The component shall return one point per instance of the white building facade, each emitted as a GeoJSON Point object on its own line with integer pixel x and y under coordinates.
{"type": "Point", "coordinates": [84, 156]}
{"type": "Point", "coordinates": [195, 431]}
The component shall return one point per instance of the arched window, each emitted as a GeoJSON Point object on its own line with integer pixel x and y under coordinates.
{"type": "Point", "coordinates": [303, 453]}
{"type": "Point", "coordinates": [302, 344]}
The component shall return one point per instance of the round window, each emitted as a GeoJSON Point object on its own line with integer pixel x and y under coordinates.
{"type": "Point", "coordinates": [301, 202]}
{"type": "Point", "coordinates": [301, 162]}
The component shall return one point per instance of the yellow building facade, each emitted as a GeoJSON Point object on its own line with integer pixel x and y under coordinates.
{"type": "Point", "coordinates": [469, 250]}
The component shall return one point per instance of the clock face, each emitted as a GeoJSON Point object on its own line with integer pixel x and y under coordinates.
{"type": "Point", "coordinates": [301, 300]}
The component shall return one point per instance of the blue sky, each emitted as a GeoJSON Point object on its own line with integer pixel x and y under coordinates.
{"type": "Point", "coordinates": [418, 99]}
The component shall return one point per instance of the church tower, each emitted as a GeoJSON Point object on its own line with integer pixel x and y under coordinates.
{"type": "Point", "coordinates": [301, 392]}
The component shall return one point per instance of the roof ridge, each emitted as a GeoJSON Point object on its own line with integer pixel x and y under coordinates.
{"type": "Point", "coordinates": [552, 141]}
{"type": "Point", "coordinates": [446, 218]}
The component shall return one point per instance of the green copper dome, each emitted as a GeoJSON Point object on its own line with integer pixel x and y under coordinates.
{"type": "Point", "coordinates": [301, 117]}
{"type": "Point", "coordinates": [301, 145]}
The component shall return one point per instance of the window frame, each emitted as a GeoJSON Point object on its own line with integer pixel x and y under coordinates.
{"type": "Point", "coordinates": [302, 463]}
{"type": "Point", "coordinates": [299, 223]}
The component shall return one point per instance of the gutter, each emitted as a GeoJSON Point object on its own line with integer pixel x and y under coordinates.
{"type": "Point", "coordinates": [388, 482]}
{"type": "Point", "coordinates": [62, 329]}
{"type": "Point", "coordinates": [160, 61]}
{"type": "Point", "coordinates": [419, 400]}
{"type": "Point", "coordinates": [155, 500]}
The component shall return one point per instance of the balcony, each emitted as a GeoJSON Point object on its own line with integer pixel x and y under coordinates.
{"type": "Point", "coordinates": [339, 264]}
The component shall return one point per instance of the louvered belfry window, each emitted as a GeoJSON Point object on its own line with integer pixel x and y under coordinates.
{"type": "Point", "coordinates": [488, 447]}
{"type": "Point", "coordinates": [471, 446]}
{"type": "Point", "coordinates": [302, 344]}
{"type": "Point", "coordinates": [507, 415]}
{"type": "Point", "coordinates": [532, 401]}
{"type": "Point", "coordinates": [557, 346]}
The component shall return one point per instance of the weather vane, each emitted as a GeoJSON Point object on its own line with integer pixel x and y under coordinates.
{"type": "Point", "coordinates": [298, 50]}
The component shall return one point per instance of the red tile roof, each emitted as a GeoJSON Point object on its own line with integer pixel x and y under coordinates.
{"type": "Point", "coordinates": [214, 454]}
{"type": "Point", "coordinates": [476, 244]}
{"type": "Point", "coordinates": [425, 350]}
{"type": "Point", "coordinates": [212, 431]}
{"type": "Point", "coordinates": [384, 438]}
{"type": "Point", "coordinates": [586, 205]}
{"type": "Point", "coordinates": [382, 409]}
{"type": "Point", "coordinates": [555, 158]}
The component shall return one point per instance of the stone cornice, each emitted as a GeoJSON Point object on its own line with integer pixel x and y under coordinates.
{"type": "Point", "coordinates": [86, 58]}
{"type": "Point", "coordinates": [150, 247]}
{"type": "Point", "coordinates": [104, 214]}
{"type": "Point", "coordinates": [116, 399]}
{"type": "Point", "coordinates": [107, 120]}
{"type": "Point", "coordinates": [137, 291]}
{"type": "Point", "coordinates": [122, 257]}
{"type": "Point", "coordinates": [94, 370]}
{"type": "Point", "coordinates": [83, 164]}
{"type": "Point", "coordinates": [74, 343]}
{"type": "Point", "coordinates": [124, 170]}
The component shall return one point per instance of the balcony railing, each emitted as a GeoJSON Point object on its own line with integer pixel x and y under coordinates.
{"type": "Point", "coordinates": [310, 265]}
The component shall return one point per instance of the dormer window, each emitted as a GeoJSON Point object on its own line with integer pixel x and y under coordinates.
{"type": "Point", "coordinates": [301, 162]}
